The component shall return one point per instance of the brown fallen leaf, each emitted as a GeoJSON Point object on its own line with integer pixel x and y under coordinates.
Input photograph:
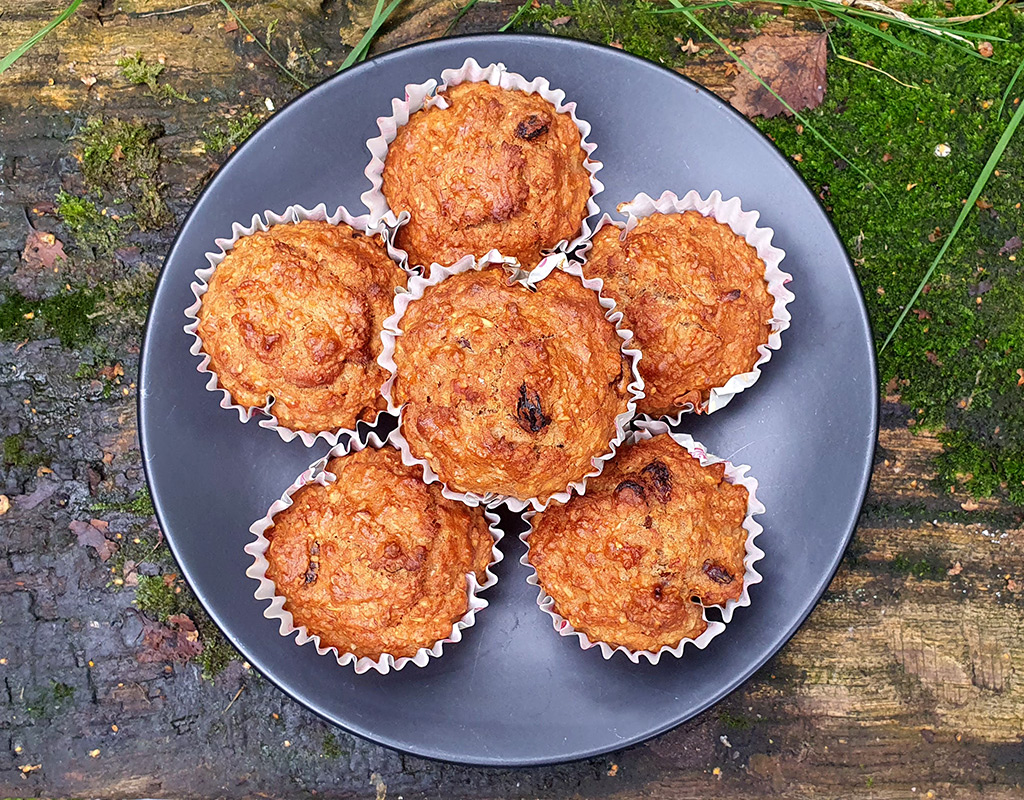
{"type": "Point", "coordinates": [956, 569]}
{"type": "Point", "coordinates": [177, 641]}
{"type": "Point", "coordinates": [793, 65]}
{"type": "Point", "coordinates": [91, 535]}
{"type": "Point", "coordinates": [935, 235]}
{"type": "Point", "coordinates": [969, 505]}
{"type": "Point", "coordinates": [922, 314]}
{"type": "Point", "coordinates": [1011, 246]}
{"type": "Point", "coordinates": [1020, 377]}
{"type": "Point", "coordinates": [560, 21]}
{"type": "Point", "coordinates": [43, 251]}
{"type": "Point", "coordinates": [111, 371]}
{"type": "Point", "coordinates": [5, 504]}
{"type": "Point", "coordinates": [230, 26]}
{"type": "Point", "coordinates": [985, 49]}
{"type": "Point", "coordinates": [983, 204]}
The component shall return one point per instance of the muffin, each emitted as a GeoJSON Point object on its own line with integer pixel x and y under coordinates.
{"type": "Point", "coordinates": [294, 314]}
{"type": "Point", "coordinates": [507, 390]}
{"type": "Point", "coordinates": [497, 169]}
{"type": "Point", "coordinates": [376, 562]}
{"type": "Point", "coordinates": [656, 535]}
{"type": "Point", "coordinates": [695, 296]}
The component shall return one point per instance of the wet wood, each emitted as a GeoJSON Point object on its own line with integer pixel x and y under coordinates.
{"type": "Point", "coordinates": [905, 681]}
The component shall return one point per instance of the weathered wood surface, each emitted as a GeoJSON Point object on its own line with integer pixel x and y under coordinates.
{"type": "Point", "coordinates": [905, 682]}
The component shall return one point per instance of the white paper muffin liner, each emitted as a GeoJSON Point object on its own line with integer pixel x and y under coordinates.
{"type": "Point", "coordinates": [427, 95]}
{"type": "Point", "coordinates": [316, 473]}
{"type": "Point", "coordinates": [646, 429]}
{"type": "Point", "coordinates": [417, 287]}
{"type": "Point", "coordinates": [743, 223]}
{"type": "Point", "coordinates": [292, 214]}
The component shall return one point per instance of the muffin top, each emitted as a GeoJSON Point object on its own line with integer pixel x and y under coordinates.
{"type": "Point", "coordinates": [295, 313]}
{"type": "Point", "coordinates": [627, 562]}
{"type": "Point", "coordinates": [694, 295]}
{"type": "Point", "coordinates": [376, 562]}
{"type": "Point", "coordinates": [509, 390]}
{"type": "Point", "coordinates": [497, 169]}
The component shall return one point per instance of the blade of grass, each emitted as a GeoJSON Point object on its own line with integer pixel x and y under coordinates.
{"type": "Point", "coordinates": [979, 186]}
{"type": "Point", "coordinates": [515, 17]}
{"type": "Point", "coordinates": [363, 47]}
{"type": "Point", "coordinates": [803, 120]}
{"type": "Point", "coordinates": [1006, 94]}
{"type": "Point", "coordinates": [301, 84]}
{"type": "Point", "coordinates": [31, 42]}
{"type": "Point", "coordinates": [459, 16]}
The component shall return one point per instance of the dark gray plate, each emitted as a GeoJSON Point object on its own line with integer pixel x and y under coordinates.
{"type": "Point", "coordinates": [514, 692]}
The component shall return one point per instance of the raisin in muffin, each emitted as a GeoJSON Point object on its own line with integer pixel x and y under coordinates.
{"type": "Point", "coordinates": [497, 169]}
{"type": "Point", "coordinates": [694, 295]}
{"type": "Point", "coordinates": [509, 391]}
{"type": "Point", "coordinates": [377, 561]}
{"type": "Point", "coordinates": [655, 536]}
{"type": "Point", "coordinates": [294, 314]}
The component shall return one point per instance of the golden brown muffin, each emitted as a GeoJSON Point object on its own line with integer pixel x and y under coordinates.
{"type": "Point", "coordinates": [695, 297]}
{"type": "Point", "coordinates": [508, 390]}
{"type": "Point", "coordinates": [627, 561]}
{"type": "Point", "coordinates": [498, 169]}
{"type": "Point", "coordinates": [295, 313]}
{"type": "Point", "coordinates": [376, 562]}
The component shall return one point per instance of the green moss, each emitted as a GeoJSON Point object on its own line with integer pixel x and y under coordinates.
{"type": "Point", "coordinates": [49, 701]}
{"type": "Point", "coordinates": [331, 749]}
{"type": "Point", "coordinates": [141, 505]}
{"type": "Point", "coordinates": [959, 358]}
{"type": "Point", "coordinates": [224, 135]}
{"type": "Point", "coordinates": [69, 315]}
{"type": "Point", "coordinates": [89, 225]}
{"type": "Point", "coordinates": [923, 567]}
{"type": "Point", "coordinates": [137, 71]}
{"type": "Point", "coordinates": [736, 722]}
{"type": "Point", "coordinates": [122, 159]}
{"type": "Point", "coordinates": [154, 597]}
{"type": "Point", "coordinates": [15, 453]}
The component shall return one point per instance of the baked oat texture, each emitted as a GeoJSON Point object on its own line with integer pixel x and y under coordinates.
{"type": "Point", "coordinates": [376, 562]}
{"type": "Point", "coordinates": [694, 295]}
{"type": "Point", "coordinates": [295, 313]}
{"type": "Point", "coordinates": [508, 390]}
{"type": "Point", "coordinates": [498, 169]}
{"type": "Point", "coordinates": [625, 561]}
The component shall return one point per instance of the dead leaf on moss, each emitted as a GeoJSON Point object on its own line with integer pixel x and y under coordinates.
{"type": "Point", "coordinates": [969, 505]}
{"type": "Point", "coordinates": [1011, 246]}
{"type": "Point", "coordinates": [557, 21]}
{"type": "Point", "coordinates": [688, 46]}
{"type": "Point", "coordinates": [793, 65]}
{"type": "Point", "coordinates": [176, 641]}
{"type": "Point", "coordinates": [91, 534]}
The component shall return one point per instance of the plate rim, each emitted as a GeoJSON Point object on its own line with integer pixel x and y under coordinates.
{"type": "Point", "coordinates": [736, 681]}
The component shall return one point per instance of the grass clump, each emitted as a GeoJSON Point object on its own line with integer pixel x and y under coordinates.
{"type": "Point", "coordinates": [69, 315]}
{"type": "Point", "coordinates": [139, 72]}
{"type": "Point", "coordinates": [122, 159]}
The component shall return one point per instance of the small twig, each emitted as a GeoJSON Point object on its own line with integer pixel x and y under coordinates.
{"type": "Point", "coordinates": [972, 17]}
{"type": "Point", "coordinates": [184, 8]}
{"type": "Point", "coordinates": [245, 28]}
{"type": "Point", "coordinates": [876, 69]}
{"type": "Point", "coordinates": [233, 699]}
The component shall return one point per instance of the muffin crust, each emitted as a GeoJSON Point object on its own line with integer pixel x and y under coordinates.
{"type": "Point", "coordinates": [376, 562]}
{"type": "Point", "coordinates": [498, 169]}
{"type": "Point", "coordinates": [694, 295]}
{"type": "Point", "coordinates": [295, 313]}
{"type": "Point", "coordinates": [508, 390]}
{"type": "Point", "coordinates": [627, 561]}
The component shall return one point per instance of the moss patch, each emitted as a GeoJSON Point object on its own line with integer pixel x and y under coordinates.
{"type": "Point", "coordinates": [16, 455]}
{"type": "Point", "coordinates": [122, 159]}
{"type": "Point", "coordinates": [139, 72]}
{"type": "Point", "coordinates": [69, 316]}
{"type": "Point", "coordinates": [955, 360]}
{"type": "Point", "coordinates": [88, 224]}
{"type": "Point", "coordinates": [222, 135]}
{"type": "Point", "coordinates": [141, 505]}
